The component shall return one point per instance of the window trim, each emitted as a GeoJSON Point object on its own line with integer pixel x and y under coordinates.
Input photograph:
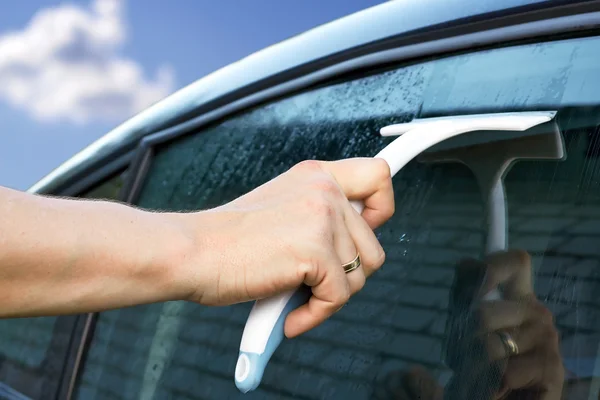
{"type": "Point", "coordinates": [464, 38]}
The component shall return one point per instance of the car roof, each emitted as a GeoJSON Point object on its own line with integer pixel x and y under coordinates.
{"type": "Point", "coordinates": [373, 25]}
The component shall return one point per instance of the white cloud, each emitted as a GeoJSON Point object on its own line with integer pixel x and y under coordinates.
{"type": "Point", "coordinates": [66, 65]}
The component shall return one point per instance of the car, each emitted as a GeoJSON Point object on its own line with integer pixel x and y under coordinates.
{"type": "Point", "coordinates": [326, 94]}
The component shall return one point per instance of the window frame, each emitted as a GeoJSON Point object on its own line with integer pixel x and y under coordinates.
{"type": "Point", "coordinates": [537, 26]}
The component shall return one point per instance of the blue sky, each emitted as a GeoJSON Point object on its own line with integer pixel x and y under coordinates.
{"type": "Point", "coordinates": [70, 71]}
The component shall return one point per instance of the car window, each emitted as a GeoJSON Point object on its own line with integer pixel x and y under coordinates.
{"type": "Point", "coordinates": [411, 332]}
{"type": "Point", "coordinates": [33, 350]}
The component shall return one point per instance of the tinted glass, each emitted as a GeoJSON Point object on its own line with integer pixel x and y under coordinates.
{"type": "Point", "coordinates": [33, 350]}
{"type": "Point", "coordinates": [413, 332]}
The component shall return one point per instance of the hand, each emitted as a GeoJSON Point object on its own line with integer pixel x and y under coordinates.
{"type": "Point", "coordinates": [297, 228]}
{"type": "Point", "coordinates": [537, 368]}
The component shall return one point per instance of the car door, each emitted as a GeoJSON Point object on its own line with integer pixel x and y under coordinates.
{"type": "Point", "coordinates": [402, 321]}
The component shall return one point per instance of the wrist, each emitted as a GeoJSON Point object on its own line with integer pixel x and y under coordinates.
{"type": "Point", "coordinates": [192, 256]}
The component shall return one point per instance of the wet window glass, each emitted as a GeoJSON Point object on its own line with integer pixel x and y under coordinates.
{"type": "Point", "coordinates": [423, 326]}
{"type": "Point", "coordinates": [33, 350]}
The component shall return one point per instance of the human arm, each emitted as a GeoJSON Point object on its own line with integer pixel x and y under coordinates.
{"type": "Point", "coordinates": [60, 256]}
{"type": "Point", "coordinates": [63, 256]}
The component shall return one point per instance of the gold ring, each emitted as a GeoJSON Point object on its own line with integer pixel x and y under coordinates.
{"type": "Point", "coordinates": [352, 265]}
{"type": "Point", "coordinates": [509, 343]}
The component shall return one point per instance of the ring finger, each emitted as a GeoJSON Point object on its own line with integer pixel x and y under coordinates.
{"type": "Point", "coordinates": [347, 251]}
{"type": "Point", "coordinates": [525, 338]}
{"type": "Point", "coordinates": [371, 253]}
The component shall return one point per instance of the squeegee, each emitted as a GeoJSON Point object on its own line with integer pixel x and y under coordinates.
{"type": "Point", "coordinates": [264, 330]}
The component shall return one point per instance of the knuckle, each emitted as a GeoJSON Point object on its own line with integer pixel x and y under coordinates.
{"type": "Point", "coordinates": [342, 297]}
{"type": "Point", "coordinates": [547, 316]}
{"type": "Point", "coordinates": [382, 169]}
{"type": "Point", "coordinates": [382, 257]}
{"type": "Point", "coordinates": [320, 207]}
{"type": "Point", "coordinates": [306, 269]}
{"type": "Point", "coordinates": [523, 258]}
{"type": "Point", "coordinates": [379, 259]}
{"type": "Point", "coordinates": [390, 205]}
{"type": "Point", "coordinates": [391, 209]}
{"type": "Point", "coordinates": [308, 166]}
{"type": "Point", "coordinates": [327, 186]}
{"type": "Point", "coordinates": [543, 314]}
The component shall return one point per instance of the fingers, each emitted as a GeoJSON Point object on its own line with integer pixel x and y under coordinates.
{"type": "Point", "coordinates": [504, 314]}
{"type": "Point", "coordinates": [526, 337]}
{"type": "Point", "coordinates": [537, 367]}
{"type": "Point", "coordinates": [347, 250]}
{"type": "Point", "coordinates": [333, 288]}
{"type": "Point", "coordinates": [371, 253]}
{"type": "Point", "coordinates": [528, 322]}
{"type": "Point", "coordinates": [330, 291]}
{"type": "Point", "coordinates": [512, 270]}
{"type": "Point", "coordinates": [357, 179]}
{"type": "Point", "coordinates": [368, 180]}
